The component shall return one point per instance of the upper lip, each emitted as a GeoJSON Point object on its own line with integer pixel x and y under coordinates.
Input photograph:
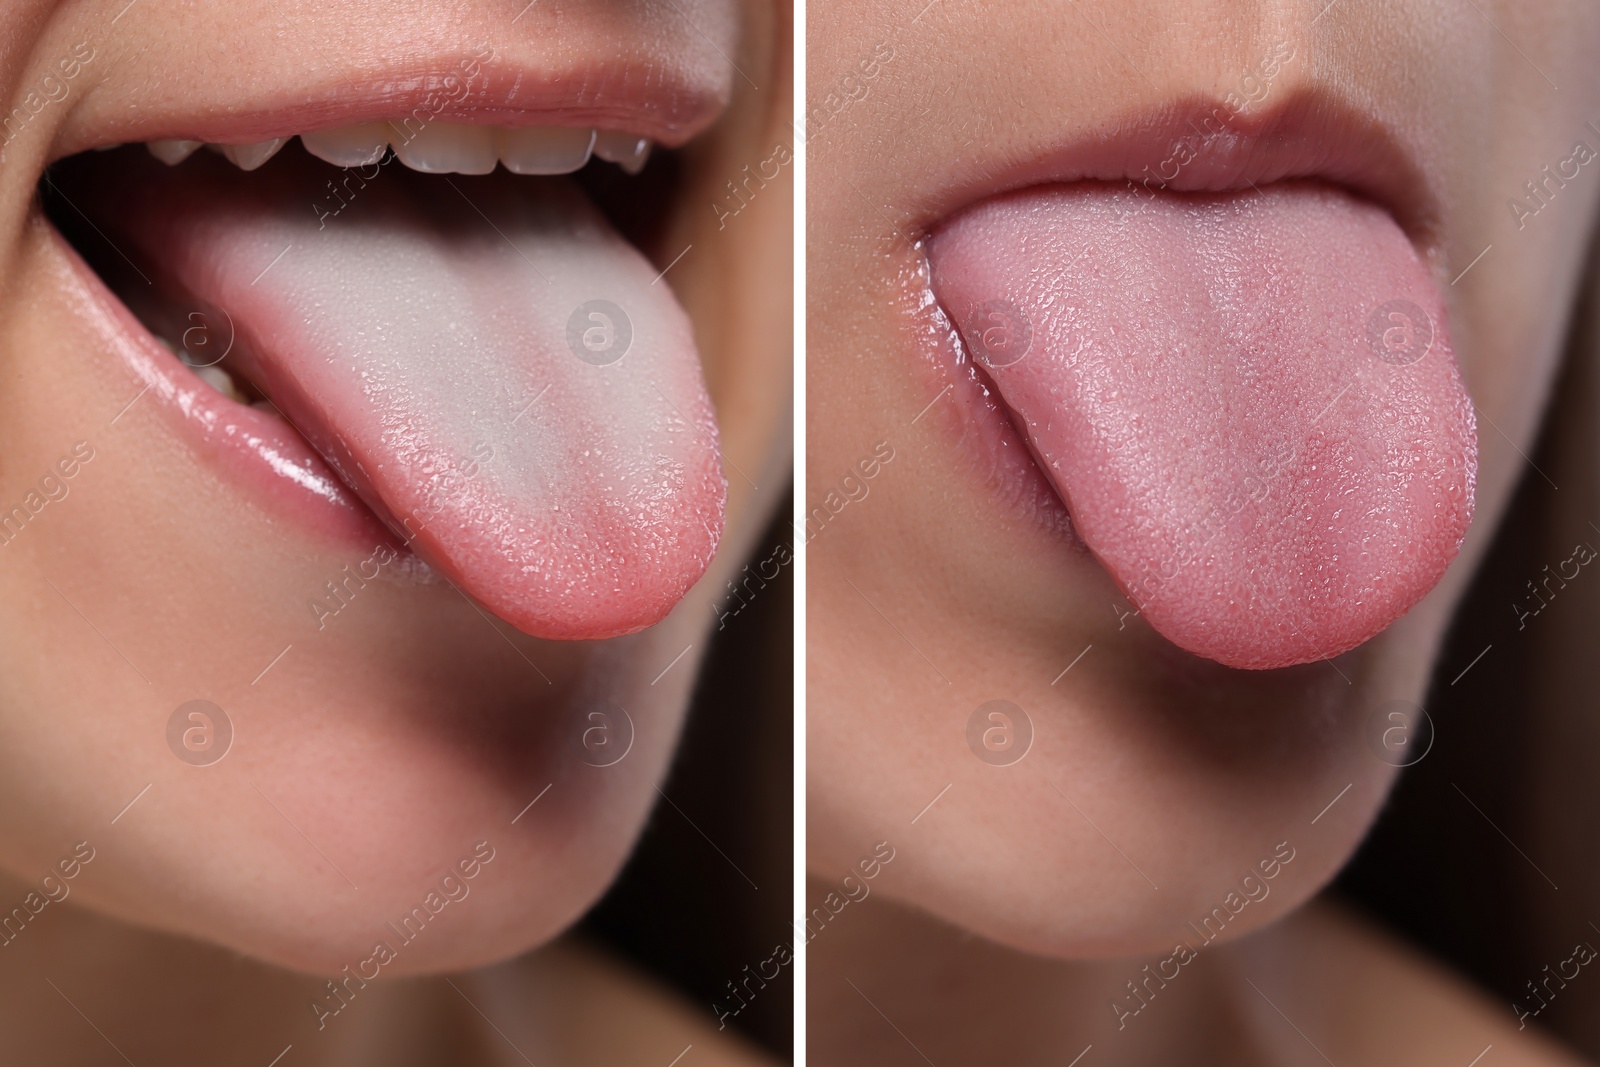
{"type": "Point", "coordinates": [654, 90]}
{"type": "Point", "coordinates": [1202, 144]}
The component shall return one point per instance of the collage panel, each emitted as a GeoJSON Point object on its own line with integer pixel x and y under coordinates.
{"type": "Point", "coordinates": [394, 449]}
{"type": "Point", "coordinates": [1200, 483]}
{"type": "Point", "coordinates": [694, 532]}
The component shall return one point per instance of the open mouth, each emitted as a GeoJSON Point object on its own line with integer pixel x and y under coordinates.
{"type": "Point", "coordinates": [1238, 380]}
{"type": "Point", "coordinates": [446, 330]}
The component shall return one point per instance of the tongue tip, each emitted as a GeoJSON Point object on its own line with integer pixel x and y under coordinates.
{"type": "Point", "coordinates": [621, 595]}
{"type": "Point", "coordinates": [595, 626]}
{"type": "Point", "coordinates": [587, 619]}
{"type": "Point", "coordinates": [1260, 644]}
{"type": "Point", "coordinates": [1251, 635]}
{"type": "Point", "coordinates": [1297, 650]}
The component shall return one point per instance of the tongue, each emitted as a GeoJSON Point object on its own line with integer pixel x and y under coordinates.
{"type": "Point", "coordinates": [500, 379]}
{"type": "Point", "coordinates": [1248, 402]}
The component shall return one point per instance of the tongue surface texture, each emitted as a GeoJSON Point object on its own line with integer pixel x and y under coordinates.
{"type": "Point", "coordinates": [1248, 402]}
{"type": "Point", "coordinates": [498, 378]}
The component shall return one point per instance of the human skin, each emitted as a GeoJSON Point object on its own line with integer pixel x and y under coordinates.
{"type": "Point", "coordinates": [160, 998]}
{"type": "Point", "coordinates": [379, 750]}
{"type": "Point", "coordinates": [1320, 981]}
{"type": "Point", "coordinates": [1156, 779]}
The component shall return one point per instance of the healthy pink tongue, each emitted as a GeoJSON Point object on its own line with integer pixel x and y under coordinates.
{"type": "Point", "coordinates": [502, 379]}
{"type": "Point", "coordinates": [1248, 402]}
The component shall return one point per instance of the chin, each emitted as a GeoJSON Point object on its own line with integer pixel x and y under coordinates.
{"type": "Point", "coordinates": [412, 755]}
{"type": "Point", "coordinates": [1162, 800]}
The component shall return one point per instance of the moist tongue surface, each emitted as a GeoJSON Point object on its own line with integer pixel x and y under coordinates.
{"type": "Point", "coordinates": [461, 374]}
{"type": "Point", "coordinates": [1248, 402]}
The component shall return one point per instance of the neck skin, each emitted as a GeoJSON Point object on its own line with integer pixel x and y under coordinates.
{"type": "Point", "coordinates": [960, 999]}
{"type": "Point", "coordinates": [892, 986]}
{"type": "Point", "coordinates": [157, 999]}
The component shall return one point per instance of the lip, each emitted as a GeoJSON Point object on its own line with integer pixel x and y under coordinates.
{"type": "Point", "coordinates": [496, 93]}
{"type": "Point", "coordinates": [250, 447]}
{"type": "Point", "coordinates": [1304, 136]}
{"type": "Point", "coordinates": [1200, 144]}
{"type": "Point", "coordinates": [659, 73]}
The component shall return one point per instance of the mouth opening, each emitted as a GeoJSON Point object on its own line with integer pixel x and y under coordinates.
{"type": "Point", "coordinates": [466, 334]}
{"type": "Point", "coordinates": [634, 184]}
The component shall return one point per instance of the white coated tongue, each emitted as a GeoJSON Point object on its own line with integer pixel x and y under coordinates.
{"type": "Point", "coordinates": [501, 378]}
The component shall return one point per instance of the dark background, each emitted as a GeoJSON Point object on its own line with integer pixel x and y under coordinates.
{"type": "Point", "coordinates": [680, 909]}
{"type": "Point", "coordinates": [1432, 869]}
{"type": "Point", "coordinates": [1500, 892]}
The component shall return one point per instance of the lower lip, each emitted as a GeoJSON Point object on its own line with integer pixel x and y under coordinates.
{"type": "Point", "coordinates": [964, 404]}
{"type": "Point", "coordinates": [247, 446]}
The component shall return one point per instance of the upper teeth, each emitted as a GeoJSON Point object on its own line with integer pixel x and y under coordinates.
{"type": "Point", "coordinates": [442, 148]}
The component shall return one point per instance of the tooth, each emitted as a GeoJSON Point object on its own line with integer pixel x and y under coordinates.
{"type": "Point", "coordinates": [251, 156]}
{"type": "Point", "coordinates": [636, 164]}
{"type": "Point", "coordinates": [446, 148]}
{"type": "Point", "coordinates": [544, 149]}
{"type": "Point", "coordinates": [221, 381]}
{"type": "Point", "coordinates": [627, 150]}
{"type": "Point", "coordinates": [211, 374]}
{"type": "Point", "coordinates": [349, 146]}
{"type": "Point", "coordinates": [172, 152]}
